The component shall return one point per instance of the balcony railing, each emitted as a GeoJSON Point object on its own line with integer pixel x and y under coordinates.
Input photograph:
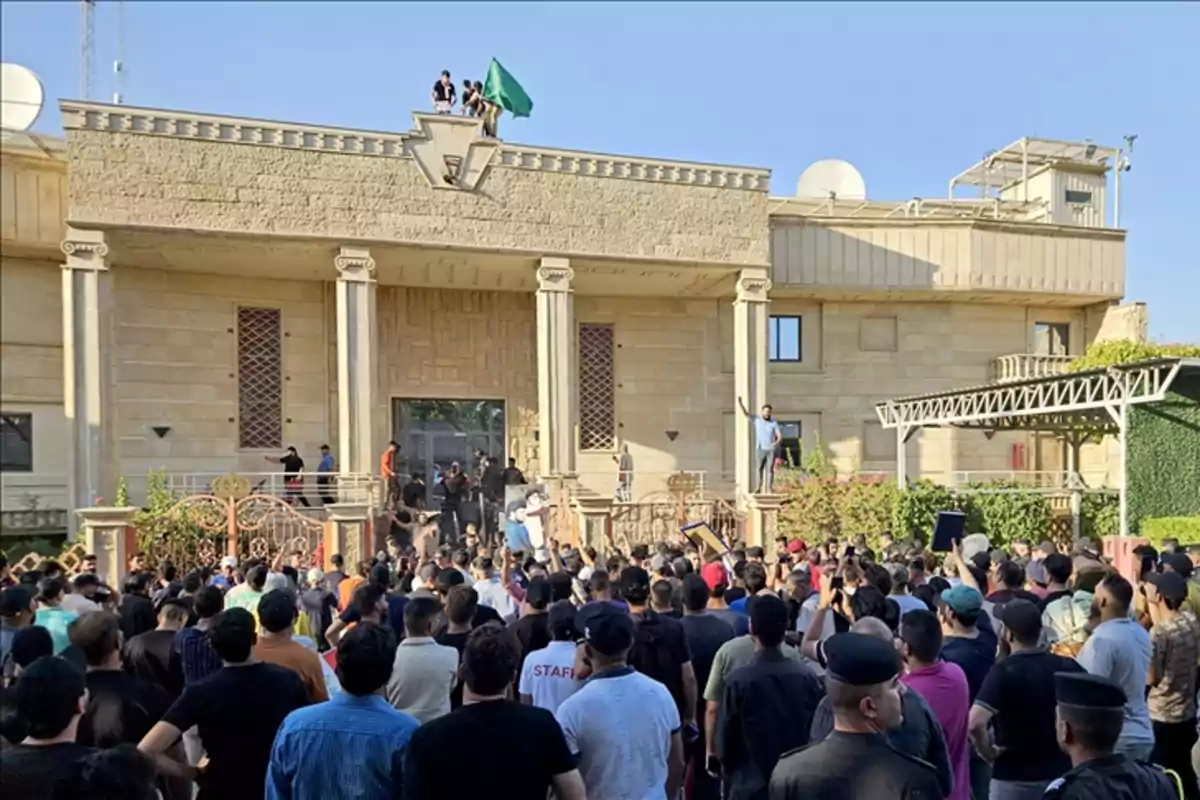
{"type": "Point", "coordinates": [345, 488]}
{"type": "Point", "coordinates": [1024, 366]}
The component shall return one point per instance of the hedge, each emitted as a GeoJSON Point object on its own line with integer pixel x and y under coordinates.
{"type": "Point", "coordinates": [1186, 530]}
{"type": "Point", "coordinates": [1163, 470]}
{"type": "Point", "coordinates": [1127, 351]}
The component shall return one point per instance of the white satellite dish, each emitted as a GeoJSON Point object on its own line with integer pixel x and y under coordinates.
{"type": "Point", "coordinates": [21, 97]}
{"type": "Point", "coordinates": [831, 178]}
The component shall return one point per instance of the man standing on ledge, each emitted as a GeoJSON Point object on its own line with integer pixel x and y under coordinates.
{"type": "Point", "coordinates": [767, 437]}
{"type": "Point", "coordinates": [443, 94]}
{"type": "Point", "coordinates": [388, 463]}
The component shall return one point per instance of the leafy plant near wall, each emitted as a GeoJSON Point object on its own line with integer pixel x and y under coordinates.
{"type": "Point", "coordinates": [915, 509]}
{"type": "Point", "coordinates": [810, 510]}
{"type": "Point", "coordinates": [865, 505]}
{"type": "Point", "coordinates": [1008, 513]}
{"type": "Point", "coordinates": [1163, 470]}
{"type": "Point", "coordinates": [1185, 529]}
{"type": "Point", "coordinates": [1099, 515]}
{"type": "Point", "coordinates": [1127, 351]}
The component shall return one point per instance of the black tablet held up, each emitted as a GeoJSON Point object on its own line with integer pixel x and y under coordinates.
{"type": "Point", "coordinates": [949, 529]}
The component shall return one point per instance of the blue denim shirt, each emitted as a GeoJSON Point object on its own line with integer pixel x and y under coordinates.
{"type": "Point", "coordinates": [346, 747]}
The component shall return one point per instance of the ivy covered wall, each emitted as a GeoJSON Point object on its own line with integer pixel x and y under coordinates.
{"type": "Point", "coordinates": [1164, 455]}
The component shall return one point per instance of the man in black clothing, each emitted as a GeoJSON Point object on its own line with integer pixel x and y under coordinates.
{"type": "Point", "coordinates": [413, 493]}
{"type": "Point", "coordinates": [512, 475]}
{"type": "Point", "coordinates": [50, 697]}
{"type": "Point", "coordinates": [151, 656]}
{"type": "Point", "coordinates": [443, 94]}
{"type": "Point", "coordinates": [293, 468]}
{"type": "Point", "coordinates": [533, 628]}
{"type": "Point", "coordinates": [767, 708]}
{"type": "Point", "coordinates": [855, 762]}
{"type": "Point", "coordinates": [526, 751]}
{"type": "Point", "coordinates": [660, 648]}
{"type": "Point", "coordinates": [461, 603]}
{"type": "Point", "coordinates": [1010, 578]}
{"type": "Point", "coordinates": [137, 612]}
{"type": "Point", "coordinates": [705, 633]}
{"type": "Point", "coordinates": [1091, 712]}
{"type": "Point", "coordinates": [1017, 700]}
{"type": "Point", "coordinates": [238, 710]}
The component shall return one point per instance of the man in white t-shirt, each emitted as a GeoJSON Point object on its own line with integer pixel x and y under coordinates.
{"type": "Point", "coordinates": [622, 726]}
{"type": "Point", "coordinates": [548, 675]}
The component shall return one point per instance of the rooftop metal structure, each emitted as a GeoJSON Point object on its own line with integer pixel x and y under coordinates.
{"type": "Point", "coordinates": [1077, 405]}
{"type": "Point", "coordinates": [1010, 165]}
{"type": "Point", "coordinates": [916, 208]}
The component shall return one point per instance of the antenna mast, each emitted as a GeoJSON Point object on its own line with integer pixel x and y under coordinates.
{"type": "Point", "coordinates": [119, 62]}
{"type": "Point", "coordinates": [87, 54]}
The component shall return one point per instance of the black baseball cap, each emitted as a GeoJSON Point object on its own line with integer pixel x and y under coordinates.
{"type": "Point", "coordinates": [634, 578]}
{"type": "Point", "coordinates": [608, 629]}
{"type": "Point", "coordinates": [1178, 562]}
{"type": "Point", "coordinates": [14, 600]}
{"type": "Point", "coordinates": [1022, 617]}
{"type": "Point", "coordinates": [1171, 585]}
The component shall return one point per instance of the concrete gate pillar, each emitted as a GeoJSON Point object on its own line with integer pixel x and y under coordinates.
{"type": "Point", "coordinates": [762, 519]}
{"type": "Point", "coordinates": [357, 360]}
{"type": "Point", "coordinates": [104, 535]}
{"type": "Point", "coordinates": [348, 532]}
{"type": "Point", "coordinates": [557, 395]}
{"type": "Point", "coordinates": [750, 310]}
{"type": "Point", "coordinates": [87, 368]}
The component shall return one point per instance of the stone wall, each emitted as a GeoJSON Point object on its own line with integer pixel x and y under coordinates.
{"type": "Point", "coordinates": [132, 179]}
{"type": "Point", "coordinates": [31, 377]}
{"type": "Point", "coordinates": [176, 365]}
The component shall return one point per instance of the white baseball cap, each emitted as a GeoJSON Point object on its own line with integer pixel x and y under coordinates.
{"type": "Point", "coordinates": [229, 561]}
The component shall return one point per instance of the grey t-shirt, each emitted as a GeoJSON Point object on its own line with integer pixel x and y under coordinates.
{"type": "Point", "coordinates": [1120, 651]}
{"type": "Point", "coordinates": [733, 654]}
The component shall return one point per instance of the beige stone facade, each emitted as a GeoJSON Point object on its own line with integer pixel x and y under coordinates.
{"type": "Point", "coordinates": [437, 265]}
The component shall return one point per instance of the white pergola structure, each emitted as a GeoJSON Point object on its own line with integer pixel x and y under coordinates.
{"type": "Point", "coordinates": [1075, 405]}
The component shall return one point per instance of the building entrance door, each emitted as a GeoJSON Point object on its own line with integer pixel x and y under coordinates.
{"type": "Point", "coordinates": [434, 434]}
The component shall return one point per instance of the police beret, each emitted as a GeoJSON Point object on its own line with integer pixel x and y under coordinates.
{"type": "Point", "coordinates": [1085, 690]}
{"type": "Point", "coordinates": [860, 660]}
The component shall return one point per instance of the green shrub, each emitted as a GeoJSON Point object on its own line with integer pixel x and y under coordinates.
{"type": "Point", "coordinates": [915, 509]}
{"type": "Point", "coordinates": [1009, 513]}
{"type": "Point", "coordinates": [1185, 529]}
{"type": "Point", "coordinates": [865, 505]}
{"type": "Point", "coordinates": [1099, 515]}
{"type": "Point", "coordinates": [811, 505]}
{"type": "Point", "coordinates": [1126, 351]}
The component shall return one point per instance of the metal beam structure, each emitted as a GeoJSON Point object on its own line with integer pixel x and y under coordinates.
{"type": "Point", "coordinates": [1080, 404]}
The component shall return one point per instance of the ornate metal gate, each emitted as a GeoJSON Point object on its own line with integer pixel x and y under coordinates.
{"type": "Point", "coordinates": [658, 516]}
{"type": "Point", "coordinates": [201, 528]}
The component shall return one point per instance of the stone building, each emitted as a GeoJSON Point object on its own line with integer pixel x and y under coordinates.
{"type": "Point", "coordinates": [194, 292]}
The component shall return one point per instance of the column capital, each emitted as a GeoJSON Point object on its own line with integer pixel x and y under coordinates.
{"type": "Point", "coordinates": [753, 285]}
{"type": "Point", "coordinates": [85, 249]}
{"type": "Point", "coordinates": [555, 275]}
{"type": "Point", "coordinates": [355, 264]}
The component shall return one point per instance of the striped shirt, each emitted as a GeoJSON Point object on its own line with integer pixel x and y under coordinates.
{"type": "Point", "coordinates": [350, 746]}
{"type": "Point", "coordinates": [196, 655]}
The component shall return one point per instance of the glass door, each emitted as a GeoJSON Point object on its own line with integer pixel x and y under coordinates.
{"type": "Point", "coordinates": [434, 434]}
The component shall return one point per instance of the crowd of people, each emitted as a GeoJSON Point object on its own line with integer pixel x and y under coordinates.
{"type": "Point", "coordinates": [836, 671]}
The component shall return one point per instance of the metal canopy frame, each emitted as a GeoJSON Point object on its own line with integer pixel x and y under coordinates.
{"type": "Point", "coordinates": [1010, 164]}
{"type": "Point", "coordinates": [1077, 405]}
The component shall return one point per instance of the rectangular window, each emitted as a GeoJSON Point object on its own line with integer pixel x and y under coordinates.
{"type": "Point", "coordinates": [1051, 338]}
{"type": "Point", "coordinates": [260, 378]}
{"type": "Point", "coordinates": [878, 443]}
{"type": "Point", "coordinates": [597, 388]}
{"type": "Point", "coordinates": [1076, 197]}
{"type": "Point", "coordinates": [16, 442]}
{"type": "Point", "coordinates": [783, 338]}
{"type": "Point", "coordinates": [791, 435]}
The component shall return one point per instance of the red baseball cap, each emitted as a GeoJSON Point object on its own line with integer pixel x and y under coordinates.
{"type": "Point", "coordinates": [714, 575]}
{"type": "Point", "coordinates": [796, 546]}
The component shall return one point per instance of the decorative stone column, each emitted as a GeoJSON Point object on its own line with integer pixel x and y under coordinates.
{"type": "Point", "coordinates": [750, 311]}
{"type": "Point", "coordinates": [87, 304]}
{"type": "Point", "coordinates": [595, 519]}
{"type": "Point", "coordinates": [348, 532]}
{"type": "Point", "coordinates": [104, 536]}
{"type": "Point", "coordinates": [357, 360]}
{"type": "Point", "coordinates": [557, 390]}
{"type": "Point", "coordinates": [762, 519]}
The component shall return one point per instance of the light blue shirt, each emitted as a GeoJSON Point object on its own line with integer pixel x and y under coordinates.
{"type": "Point", "coordinates": [493, 594]}
{"type": "Point", "coordinates": [56, 621]}
{"type": "Point", "coordinates": [326, 464]}
{"type": "Point", "coordinates": [1120, 651]}
{"type": "Point", "coordinates": [764, 433]}
{"type": "Point", "coordinates": [347, 747]}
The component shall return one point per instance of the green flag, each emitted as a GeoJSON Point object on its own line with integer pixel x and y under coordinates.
{"type": "Point", "coordinates": [502, 89]}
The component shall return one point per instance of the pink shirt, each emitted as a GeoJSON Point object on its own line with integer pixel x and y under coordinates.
{"type": "Point", "coordinates": [944, 687]}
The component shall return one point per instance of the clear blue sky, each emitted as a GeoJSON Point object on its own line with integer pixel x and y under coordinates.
{"type": "Point", "coordinates": [911, 94]}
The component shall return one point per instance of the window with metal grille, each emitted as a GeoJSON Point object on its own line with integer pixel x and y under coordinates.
{"type": "Point", "coordinates": [783, 338]}
{"type": "Point", "coordinates": [16, 442]}
{"type": "Point", "coordinates": [260, 378]}
{"type": "Point", "coordinates": [597, 408]}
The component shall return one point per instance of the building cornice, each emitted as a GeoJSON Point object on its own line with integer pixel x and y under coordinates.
{"type": "Point", "coordinates": [102, 117]}
{"type": "Point", "coordinates": [1014, 226]}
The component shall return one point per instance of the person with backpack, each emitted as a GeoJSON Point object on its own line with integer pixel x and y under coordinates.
{"type": "Point", "coordinates": [1064, 611]}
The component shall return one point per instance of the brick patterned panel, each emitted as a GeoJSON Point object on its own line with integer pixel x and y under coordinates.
{"type": "Point", "coordinates": [597, 411]}
{"type": "Point", "coordinates": [260, 378]}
